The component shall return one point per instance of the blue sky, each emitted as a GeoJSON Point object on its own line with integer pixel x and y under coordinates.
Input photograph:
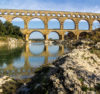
{"type": "Point", "coordinates": [58, 5]}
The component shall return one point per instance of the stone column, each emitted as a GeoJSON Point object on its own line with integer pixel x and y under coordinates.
{"type": "Point", "coordinates": [61, 25]}
{"type": "Point", "coordinates": [61, 50]}
{"type": "Point", "coordinates": [90, 22]}
{"type": "Point", "coordinates": [46, 25]}
{"type": "Point", "coordinates": [27, 37]}
{"type": "Point", "coordinates": [25, 24]}
{"type": "Point", "coordinates": [77, 28]}
{"type": "Point", "coordinates": [46, 37]}
{"type": "Point", "coordinates": [61, 37]}
{"type": "Point", "coordinates": [76, 25]}
{"type": "Point", "coordinates": [90, 27]}
{"type": "Point", "coordinates": [77, 36]}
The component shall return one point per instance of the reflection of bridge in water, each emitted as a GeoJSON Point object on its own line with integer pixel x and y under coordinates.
{"type": "Point", "coordinates": [27, 68]}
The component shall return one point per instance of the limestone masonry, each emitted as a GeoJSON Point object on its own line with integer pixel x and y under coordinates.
{"type": "Point", "coordinates": [45, 16]}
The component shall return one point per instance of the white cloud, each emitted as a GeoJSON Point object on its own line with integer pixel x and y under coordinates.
{"type": "Point", "coordinates": [40, 5]}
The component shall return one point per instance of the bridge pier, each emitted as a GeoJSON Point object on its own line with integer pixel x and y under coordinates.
{"type": "Point", "coordinates": [90, 25]}
{"type": "Point", "coordinates": [77, 36]}
{"type": "Point", "coordinates": [61, 49]}
{"type": "Point", "coordinates": [76, 25]}
{"type": "Point", "coordinates": [61, 25]}
{"type": "Point", "coordinates": [46, 37]}
{"type": "Point", "coordinates": [27, 37]}
{"type": "Point", "coordinates": [61, 37]}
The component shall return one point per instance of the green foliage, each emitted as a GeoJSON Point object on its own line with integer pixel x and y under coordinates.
{"type": "Point", "coordinates": [7, 29]}
{"type": "Point", "coordinates": [81, 79]}
{"type": "Point", "coordinates": [84, 88]}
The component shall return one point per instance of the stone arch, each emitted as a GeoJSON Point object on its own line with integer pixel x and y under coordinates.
{"type": "Point", "coordinates": [54, 24]}
{"type": "Point", "coordinates": [36, 35]}
{"type": "Point", "coordinates": [36, 23]}
{"type": "Point", "coordinates": [83, 25]}
{"type": "Point", "coordinates": [96, 24]}
{"type": "Point", "coordinates": [84, 35]}
{"type": "Point", "coordinates": [69, 24]}
{"type": "Point", "coordinates": [3, 19]}
{"type": "Point", "coordinates": [53, 35]}
{"type": "Point", "coordinates": [70, 35]}
{"type": "Point", "coordinates": [18, 22]}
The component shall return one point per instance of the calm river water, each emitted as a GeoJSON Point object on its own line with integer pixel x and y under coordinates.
{"type": "Point", "coordinates": [21, 62]}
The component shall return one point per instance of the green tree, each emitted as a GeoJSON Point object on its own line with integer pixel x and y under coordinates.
{"type": "Point", "coordinates": [2, 29]}
{"type": "Point", "coordinates": [7, 29]}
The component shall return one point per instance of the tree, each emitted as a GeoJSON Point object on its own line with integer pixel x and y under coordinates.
{"type": "Point", "coordinates": [7, 29]}
{"type": "Point", "coordinates": [2, 29]}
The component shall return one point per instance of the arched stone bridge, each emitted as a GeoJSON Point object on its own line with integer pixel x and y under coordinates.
{"type": "Point", "coordinates": [45, 16]}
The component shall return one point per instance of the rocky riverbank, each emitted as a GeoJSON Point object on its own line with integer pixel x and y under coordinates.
{"type": "Point", "coordinates": [77, 72]}
{"type": "Point", "coordinates": [9, 85]}
{"type": "Point", "coordinates": [10, 41]}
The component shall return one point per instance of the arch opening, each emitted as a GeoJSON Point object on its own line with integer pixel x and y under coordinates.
{"type": "Point", "coordinates": [3, 20]}
{"type": "Point", "coordinates": [53, 36]}
{"type": "Point", "coordinates": [36, 35]}
{"type": "Point", "coordinates": [96, 24]}
{"type": "Point", "coordinates": [53, 24]}
{"type": "Point", "coordinates": [18, 22]}
{"type": "Point", "coordinates": [83, 25]}
{"type": "Point", "coordinates": [69, 35]}
{"type": "Point", "coordinates": [69, 24]}
{"type": "Point", "coordinates": [36, 23]}
{"type": "Point", "coordinates": [84, 35]}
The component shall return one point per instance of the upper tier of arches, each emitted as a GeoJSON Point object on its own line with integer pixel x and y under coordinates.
{"type": "Point", "coordinates": [53, 23]}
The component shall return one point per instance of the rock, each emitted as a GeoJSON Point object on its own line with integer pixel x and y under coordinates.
{"type": "Point", "coordinates": [8, 85]}
{"type": "Point", "coordinates": [1, 90]}
{"type": "Point", "coordinates": [75, 73]}
{"type": "Point", "coordinates": [97, 45]}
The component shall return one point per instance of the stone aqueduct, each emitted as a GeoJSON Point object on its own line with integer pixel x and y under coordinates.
{"type": "Point", "coordinates": [45, 16]}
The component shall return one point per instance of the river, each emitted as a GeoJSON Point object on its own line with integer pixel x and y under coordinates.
{"type": "Point", "coordinates": [21, 62]}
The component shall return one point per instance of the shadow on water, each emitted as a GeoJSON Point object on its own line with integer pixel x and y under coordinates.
{"type": "Point", "coordinates": [8, 55]}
